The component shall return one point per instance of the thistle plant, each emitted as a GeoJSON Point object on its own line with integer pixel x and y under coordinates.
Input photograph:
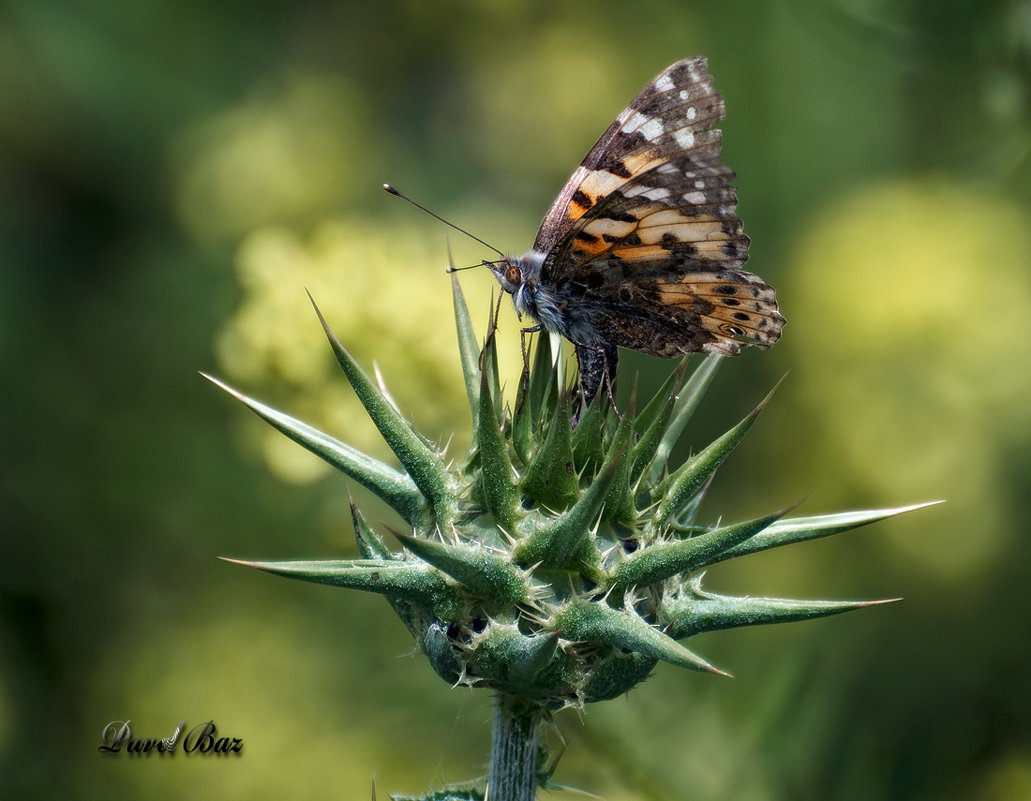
{"type": "Point", "coordinates": [560, 560]}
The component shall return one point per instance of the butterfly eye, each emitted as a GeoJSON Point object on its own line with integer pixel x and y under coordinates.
{"type": "Point", "coordinates": [513, 275]}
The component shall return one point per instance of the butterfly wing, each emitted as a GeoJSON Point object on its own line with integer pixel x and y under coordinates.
{"type": "Point", "coordinates": [672, 115]}
{"type": "Point", "coordinates": [654, 266]}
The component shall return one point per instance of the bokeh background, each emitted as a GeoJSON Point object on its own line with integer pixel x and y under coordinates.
{"type": "Point", "coordinates": [173, 175]}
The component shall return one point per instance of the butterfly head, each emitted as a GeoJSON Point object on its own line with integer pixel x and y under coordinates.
{"type": "Point", "coordinates": [509, 273]}
{"type": "Point", "coordinates": [520, 277]}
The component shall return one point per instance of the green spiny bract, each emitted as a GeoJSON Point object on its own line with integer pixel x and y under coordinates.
{"type": "Point", "coordinates": [560, 561]}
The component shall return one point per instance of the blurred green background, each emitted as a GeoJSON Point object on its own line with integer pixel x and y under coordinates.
{"type": "Point", "coordinates": [174, 175]}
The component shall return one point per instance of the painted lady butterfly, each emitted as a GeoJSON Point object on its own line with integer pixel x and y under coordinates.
{"type": "Point", "coordinates": [642, 247]}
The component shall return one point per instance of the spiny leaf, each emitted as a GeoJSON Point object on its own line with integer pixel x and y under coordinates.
{"type": "Point", "coordinates": [418, 584]}
{"type": "Point", "coordinates": [656, 406]}
{"type": "Point", "coordinates": [506, 653]}
{"type": "Point", "coordinates": [690, 478]}
{"type": "Point", "coordinates": [697, 611]}
{"type": "Point", "coordinates": [489, 363]}
{"type": "Point", "coordinates": [542, 374]}
{"type": "Point", "coordinates": [611, 677]}
{"type": "Point", "coordinates": [800, 529]}
{"type": "Point", "coordinates": [551, 479]}
{"type": "Point", "coordinates": [532, 655]}
{"type": "Point", "coordinates": [481, 572]}
{"type": "Point", "coordinates": [687, 401]}
{"type": "Point", "coordinates": [468, 350]}
{"type": "Point", "coordinates": [426, 467]}
{"type": "Point", "coordinates": [588, 445]}
{"type": "Point", "coordinates": [370, 546]}
{"type": "Point", "coordinates": [395, 488]}
{"type": "Point", "coordinates": [619, 505]}
{"type": "Point", "coordinates": [684, 524]}
{"type": "Point", "coordinates": [523, 422]}
{"type": "Point", "coordinates": [499, 489]}
{"type": "Point", "coordinates": [663, 560]}
{"type": "Point", "coordinates": [555, 544]}
{"type": "Point", "coordinates": [465, 791]}
{"type": "Point", "coordinates": [651, 436]}
{"type": "Point", "coordinates": [599, 624]}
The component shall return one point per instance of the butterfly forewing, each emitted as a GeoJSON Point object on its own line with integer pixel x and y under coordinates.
{"type": "Point", "coordinates": [680, 215]}
{"type": "Point", "coordinates": [674, 113]}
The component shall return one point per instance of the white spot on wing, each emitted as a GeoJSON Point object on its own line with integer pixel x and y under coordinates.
{"type": "Point", "coordinates": [597, 183]}
{"type": "Point", "coordinates": [684, 137]}
{"type": "Point", "coordinates": [635, 122]}
{"type": "Point", "coordinates": [683, 229]}
{"type": "Point", "coordinates": [692, 112]}
{"type": "Point", "coordinates": [664, 84]}
{"type": "Point", "coordinates": [651, 129]}
{"type": "Point", "coordinates": [658, 193]}
{"type": "Point", "coordinates": [601, 226]}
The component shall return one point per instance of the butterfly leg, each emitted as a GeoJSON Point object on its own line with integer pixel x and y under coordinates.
{"type": "Point", "coordinates": [526, 358]}
{"type": "Point", "coordinates": [597, 366]}
{"type": "Point", "coordinates": [522, 343]}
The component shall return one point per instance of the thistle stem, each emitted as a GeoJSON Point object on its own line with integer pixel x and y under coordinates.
{"type": "Point", "coordinates": [513, 754]}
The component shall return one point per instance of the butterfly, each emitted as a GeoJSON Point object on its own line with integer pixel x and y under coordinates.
{"type": "Point", "coordinates": [642, 248]}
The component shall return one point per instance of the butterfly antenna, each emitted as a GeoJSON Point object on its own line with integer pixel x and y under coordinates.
{"type": "Point", "coordinates": [394, 192]}
{"type": "Point", "coordinates": [451, 262]}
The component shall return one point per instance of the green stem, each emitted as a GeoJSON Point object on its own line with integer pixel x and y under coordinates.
{"type": "Point", "coordinates": [513, 753]}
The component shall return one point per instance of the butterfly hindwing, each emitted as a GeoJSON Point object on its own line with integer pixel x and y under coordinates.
{"type": "Point", "coordinates": [713, 312]}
